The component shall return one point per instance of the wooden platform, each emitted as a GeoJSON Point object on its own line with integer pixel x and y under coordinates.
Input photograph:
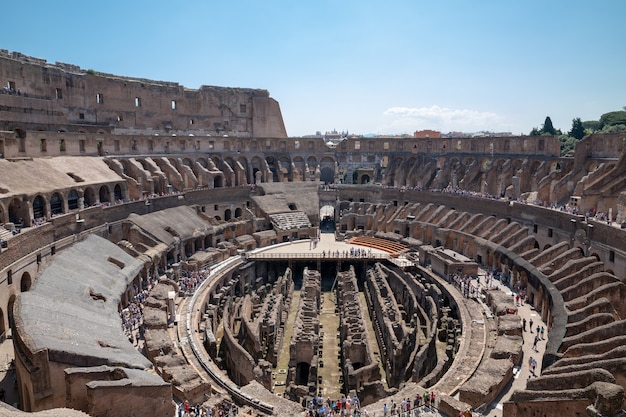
{"type": "Point", "coordinates": [392, 247]}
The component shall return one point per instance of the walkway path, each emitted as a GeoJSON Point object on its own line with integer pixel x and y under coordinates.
{"type": "Point", "coordinates": [522, 374]}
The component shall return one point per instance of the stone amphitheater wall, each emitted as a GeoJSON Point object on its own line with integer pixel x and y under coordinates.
{"type": "Point", "coordinates": [62, 95]}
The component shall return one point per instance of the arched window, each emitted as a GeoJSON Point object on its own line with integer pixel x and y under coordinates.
{"type": "Point", "coordinates": [90, 197]}
{"type": "Point", "coordinates": [117, 193]}
{"type": "Point", "coordinates": [25, 282]}
{"type": "Point", "coordinates": [56, 204]}
{"type": "Point", "coordinates": [105, 195]}
{"type": "Point", "coordinates": [72, 200]}
{"type": "Point", "coordinates": [39, 207]}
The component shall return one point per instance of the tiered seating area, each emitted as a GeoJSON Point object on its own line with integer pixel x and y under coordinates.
{"type": "Point", "coordinates": [394, 248]}
{"type": "Point", "coordinates": [289, 221]}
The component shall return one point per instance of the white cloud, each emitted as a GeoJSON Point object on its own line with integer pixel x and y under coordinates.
{"type": "Point", "coordinates": [409, 119]}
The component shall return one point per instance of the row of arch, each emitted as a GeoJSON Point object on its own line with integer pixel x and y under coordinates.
{"type": "Point", "coordinates": [23, 212]}
{"type": "Point", "coordinates": [483, 174]}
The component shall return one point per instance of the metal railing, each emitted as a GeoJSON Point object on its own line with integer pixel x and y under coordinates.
{"type": "Point", "coordinates": [331, 255]}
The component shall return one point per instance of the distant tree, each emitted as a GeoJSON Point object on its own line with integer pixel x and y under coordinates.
{"type": "Point", "coordinates": [578, 130]}
{"type": "Point", "coordinates": [591, 125]}
{"type": "Point", "coordinates": [619, 128]}
{"type": "Point", "coordinates": [548, 128]}
{"type": "Point", "coordinates": [535, 132]}
{"type": "Point", "coordinates": [568, 144]}
{"type": "Point", "coordinates": [613, 118]}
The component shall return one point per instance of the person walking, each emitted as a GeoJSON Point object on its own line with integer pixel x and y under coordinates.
{"type": "Point", "coordinates": [535, 342]}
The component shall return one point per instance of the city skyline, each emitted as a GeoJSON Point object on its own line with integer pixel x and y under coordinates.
{"type": "Point", "coordinates": [363, 67]}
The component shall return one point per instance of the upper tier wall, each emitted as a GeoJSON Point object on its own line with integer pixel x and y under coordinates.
{"type": "Point", "coordinates": [64, 97]}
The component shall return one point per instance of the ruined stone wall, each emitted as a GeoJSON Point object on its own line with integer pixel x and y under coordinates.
{"type": "Point", "coordinates": [360, 365]}
{"type": "Point", "coordinates": [271, 319]}
{"type": "Point", "coordinates": [121, 398]}
{"type": "Point", "coordinates": [105, 391]}
{"type": "Point", "coordinates": [65, 97]}
{"type": "Point", "coordinates": [305, 339]}
{"type": "Point", "coordinates": [395, 334]}
{"type": "Point", "coordinates": [238, 361]}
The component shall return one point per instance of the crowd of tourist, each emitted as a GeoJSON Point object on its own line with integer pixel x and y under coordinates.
{"type": "Point", "coordinates": [190, 280]}
{"type": "Point", "coordinates": [471, 286]}
{"type": "Point", "coordinates": [221, 410]}
{"type": "Point", "coordinates": [132, 315]}
{"type": "Point", "coordinates": [352, 253]}
{"type": "Point", "coordinates": [351, 407]}
{"type": "Point", "coordinates": [344, 406]}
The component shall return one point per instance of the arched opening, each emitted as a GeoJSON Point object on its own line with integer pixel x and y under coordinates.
{"type": "Point", "coordinates": [25, 282]}
{"type": "Point", "coordinates": [254, 171]}
{"type": "Point", "coordinates": [72, 200]}
{"type": "Point", "coordinates": [10, 305]}
{"type": "Point", "coordinates": [17, 212]}
{"type": "Point", "coordinates": [227, 214]}
{"type": "Point", "coordinates": [189, 248]}
{"type": "Point", "coordinates": [365, 179]}
{"type": "Point", "coordinates": [327, 216]}
{"type": "Point", "coordinates": [56, 204]}
{"type": "Point", "coordinates": [117, 193]}
{"type": "Point", "coordinates": [104, 194]}
{"type": "Point", "coordinates": [39, 207]}
{"type": "Point", "coordinates": [90, 197]}
{"type": "Point", "coordinates": [272, 167]}
{"type": "Point", "coordinates": [202, 162]}
{"type": "Point", "coordinates": [218, 182]}
{"type": "Point", "coordinates": [238, 212]}
{"type": "Point", "coordinates": [302, 373]}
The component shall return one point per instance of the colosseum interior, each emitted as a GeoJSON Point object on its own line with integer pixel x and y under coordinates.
{"type": "Point", "coordinates": [161, 244]}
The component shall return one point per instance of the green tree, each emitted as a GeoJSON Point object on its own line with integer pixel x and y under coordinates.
{"type": "Point", "coordinates": [613, 118]}
{"type": "Point", "coordinates": [568, 144]}
{"type": "Point", "coordinates": [578, 130]}
{"type": "Point", "coordinates": [535, 132]}
{"type": "Point", "coordinates": [591, 125]}
{"type": "Point", "coordinates": [619, 128]}
{"type": "Point", "coordinates": [548, 128]}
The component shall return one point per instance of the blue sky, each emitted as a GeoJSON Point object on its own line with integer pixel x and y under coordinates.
{"type": "Point", "coordinates": [381, 67]}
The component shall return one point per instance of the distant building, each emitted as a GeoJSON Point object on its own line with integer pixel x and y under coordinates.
{"type": "Point", "coordinates": [422, 134]}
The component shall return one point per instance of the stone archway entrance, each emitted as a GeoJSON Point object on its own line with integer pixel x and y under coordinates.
{"type": "Point", "coordinates": [327, 219]}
